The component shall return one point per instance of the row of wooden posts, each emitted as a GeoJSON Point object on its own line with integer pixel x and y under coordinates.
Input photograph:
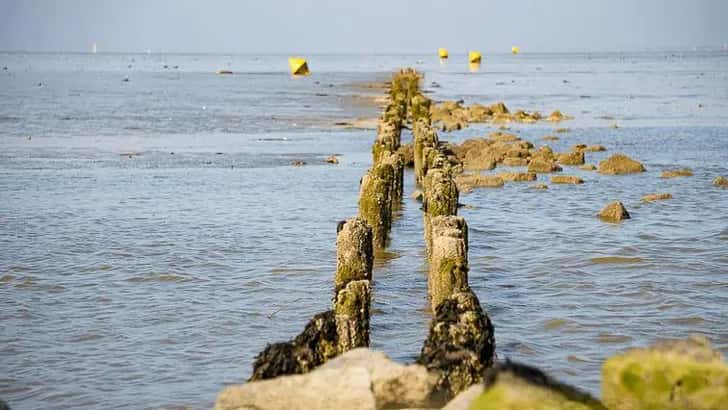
{"type": "Point", "coordinates": [460, 343]}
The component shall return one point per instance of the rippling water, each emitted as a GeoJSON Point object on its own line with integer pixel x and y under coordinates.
{"type": "Point", "coordinates": [152, 280]}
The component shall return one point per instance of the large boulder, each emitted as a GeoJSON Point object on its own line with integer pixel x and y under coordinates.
{"type": "Point", "coordinates": [614, 212]}
{"type": "Point", "coordinates": [681, 374]}
{"type": "Point", "coordinates": [359, 379]}
{"type": "Point", "coordinates": [619, 164]}
{"type": "Point", "coordinates": [512, 386]}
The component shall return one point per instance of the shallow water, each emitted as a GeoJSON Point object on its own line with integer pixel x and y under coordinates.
{"type": "Point", "coordinates": [154, 280]}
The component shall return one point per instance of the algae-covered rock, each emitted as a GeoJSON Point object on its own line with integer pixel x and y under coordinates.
{"type": "Point", "coordinates": [674, 173]}
{"type": "Point", "coordinates": [614, 212]}
{"type": "Point", "coordinates": [354, 253]}
{"type": "Point", "coordinates": [571, 158]}
{"type": "Point", "coordinates": [550, 138]}
{"type": "Point", "coordinates": [720, 181]}
{"type": "Point", "coordinates": [681, 374]}
{"type": "Point", "coordinates": [540, 165]}
{"type": "Point", "coordinates": [588, 167]}
{"type": "Point", "coordinates": [619, 164]}
{"type": "Point", "coordinates": [566, 179]}
{"type": "Point", "coordinates": [657, 197]}
{"type": "Point", "coordinates": [460, 344]}
{"type": "Point", "coordinates": [467, 182]}
{"type": "Point", "coordinates": [315, 345]}
{"type": "Point", "coordinates": [517, 176]}
{"type": "Point", "coordinates": [512, 386]}
{"type": "Point", "coordinates": [515, 162]}
{"type": "Point", "coordinates": [539, 186]}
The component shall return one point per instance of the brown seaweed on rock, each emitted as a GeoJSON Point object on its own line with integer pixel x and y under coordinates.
{"type": "Point", "coordinates": [313, 347]}
{"type": "Point", "coordinates": [460, 345]}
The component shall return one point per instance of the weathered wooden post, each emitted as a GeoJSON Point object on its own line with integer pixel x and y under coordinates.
{"type": "Point", "coordinates": [448, 259]}
{"type": "Point", "coordinates": [440, 198]}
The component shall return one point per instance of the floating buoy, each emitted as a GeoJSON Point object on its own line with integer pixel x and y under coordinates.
{"type": "Point", "coordinates": [298, 66]}
{"type": "Point", "coordinates": [474, 57]}
{"type": "Point", "coordinates": [515, 50]}
{"type": "Point", "coordinates": [442, 52]}
{"type": "Point", "coordinates": [223, 72]}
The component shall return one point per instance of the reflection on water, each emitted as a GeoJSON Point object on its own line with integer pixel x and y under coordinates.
{"type": "Point", "coordinates": [154, 280]}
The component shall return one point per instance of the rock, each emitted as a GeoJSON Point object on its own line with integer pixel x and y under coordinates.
{"type": "Point", "coordinates": [571, 158]}
{"type": "Point", "coordinates": [562, 130]}
{"type": "Point", "coordinates": [479, 160]}
{"type": "Point", "coordinates": [417, 195]}
{"type": "Point", "coordinates": [408, 155]}
{"type": "Point", "coordinates": [595, 148]}
{"type": "Point", "coordinates": [394, 385]}
{"type": "Point", "coordinates": [679, 374]}
{"type": "Point", "coordinates": [588, 167]}
{"type": "Point", "coordinates": [517, 176]}
{"type": "Point", "coordinates": [498, 108]}
{"type": "Point", "coordinates": [332, 159]}
{"type": "Point", "coordinates": [550, 138]}
{"type": "Point", "coordinates": [322, 389]}
{"type": "Point", "coordinates": [515, 386]}
{"type": "Point", "coordinates": [619, 164]}
{"type": "Point", "coordinates": [539, 165]}
{"type": "Point", "coordinates": [656, 197]}
{"type": "Point", "coordinates": [556, 116]}
{"type": "Point", "coordinates": [467, 182]}
{"type": "Point", "coordinates": [298, 163]}
{"type": "Point", "coordinates": [566, 179]}
{"type": "Point", "coordinates": [515, 162]}
{"type": "Point", "coordinates": [315, 345]}
{"type": "Point", "coordinates": [720, 181]}
{"type": "Point", "coordinates": [502, 137]}
{"type": "Point", "coordinates": [539, 186]}
{"type": "Point", "coordinates": [460, 344]}
{"type": "Point", "coordinates": [683, 172]}
{"type": "Point", "coordinates": [464, 400]}
{"type": "Point", "coordinates": [614, 212]}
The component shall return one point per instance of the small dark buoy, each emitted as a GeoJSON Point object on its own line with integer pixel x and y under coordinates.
{"type": "Point", "coordinates": [171, 153]}
{"type": "Point", "coordinates": [129, 66]}
{"type": "Point", "coordinates": [176, 67]}
{"type": "Point", "coordinates": [29, 138]}
{"type": "Point", "coordinates": [5, 68]}
{"type": "Point", "coordinates": [40, 84]}
{"type": "Point", "coordinates": [126, 79]}
{"type": "Point", "coordinates": [165, 66]}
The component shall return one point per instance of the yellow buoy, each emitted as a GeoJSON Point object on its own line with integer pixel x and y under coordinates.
{"type": "Point", "coordinates": [515, 50]}
{"type": "Point", "coordinates": [442, 52]}
{"type": "Point", "coordinates": [474, 57]}
{"type": "Point", "coordinates": [474, 67]}
{"type": "Point", "coordinates": [298, 66]}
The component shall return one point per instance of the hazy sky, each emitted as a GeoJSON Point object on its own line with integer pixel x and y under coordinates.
{"type": "Point", "coordinates": [364, 26]}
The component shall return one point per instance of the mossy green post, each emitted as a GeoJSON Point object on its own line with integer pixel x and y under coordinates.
{"type": "Point", "coordinates": [375, 203]}
{"type": "Point", "coordinates": [448, 272]}
{"type": "Point", "coordinates": [351, 309]}
{"type": "Point", "coordinates": [440, 198]}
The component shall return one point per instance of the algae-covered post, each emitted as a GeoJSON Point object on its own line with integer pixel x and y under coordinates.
{"type": "Point", "coordinates": [375, 202]}
{"type": "Point", "coordinates": [449, 258]}
{"type": "Point", "coordinates": [354, 253]}
{"type": "Point", "coordinates": [351, 309]}
{"type": "Point", "coordinates": [440, 199]}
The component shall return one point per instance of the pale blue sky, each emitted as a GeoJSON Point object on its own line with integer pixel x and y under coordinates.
{"type": "Point", "coordinates": [373, 26]}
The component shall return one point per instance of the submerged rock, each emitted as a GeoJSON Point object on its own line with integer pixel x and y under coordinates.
{"type": "Point", "coordinates": [550, 138]}
{"type": "Point", "coordinates": [460, 344]}
{"type": "Point", "coordinates": [680, 374]}
{"type": "Point", "coordinates": [566, 179]}
{"type": "Point", "coordinates": [614, 212]}
{"type": "Point", "coordinates": [571, 158]}
{"type": "Point", "coordinates": [539, 186]}
{"type": "Point", "coordinates": [332, 159]}
{"type": "Point", "coordinates": [588, 167]}
{"type": "Point", "coordinates": [515, 162]}
{"type": "Point", "coordinates": [720, 181]}
{"type": "Point", "coordinates": [467, 182]}
{"type": "Point", "coordinates": [619, 164]}
{"type": "Point", "coordinates": [656, 197]}
{"type": "Point", "coordinates": [517, 176]}
{"type": "Point", "coordinates": [683, 172]}
{"type": "Point", "coordinates": [512, 386]}
{"type": "Point", "coordinates": [540, 165]}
